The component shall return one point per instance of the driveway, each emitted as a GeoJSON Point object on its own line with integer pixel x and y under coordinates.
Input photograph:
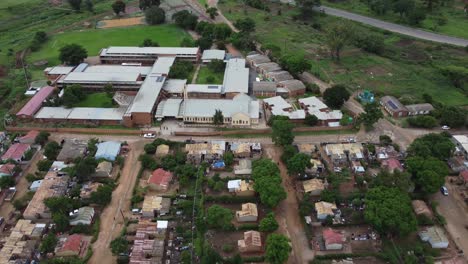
{"type": "Point", "coordinates": [412, 32]}
{"type": "Point", "coordinates": [455, 212]}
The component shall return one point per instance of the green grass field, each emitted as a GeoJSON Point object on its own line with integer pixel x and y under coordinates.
{"type": "Point", "coordinates": [12, 3]}
{"type": "Point", "coordinates": [205, 73]}
{"type": "Point", "coordinates": [408, 68]}
{"type": "Point", "coordinates": [96, 39]}
{"type": "Point", "coordinates": [457, 22]}
{"type": "Point", "coordinates": [97, 100]}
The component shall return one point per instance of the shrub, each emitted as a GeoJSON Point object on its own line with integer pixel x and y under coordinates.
{"type": "Point", "coordinates": [228, 248]}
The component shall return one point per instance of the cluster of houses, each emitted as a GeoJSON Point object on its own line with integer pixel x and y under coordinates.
{"type": "Point", "coordinates": [214, 151]}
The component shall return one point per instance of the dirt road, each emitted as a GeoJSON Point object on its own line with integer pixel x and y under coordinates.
{"type": "Point", "coordinates": [111, 219]}
{"type": "Point", "coordinates": [287, 214]}
{"type": "Point", "coordinates": [455, 212]}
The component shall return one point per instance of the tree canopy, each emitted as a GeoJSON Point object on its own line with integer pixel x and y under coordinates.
{"type": "Point", "coordinates": [75, 4]}
{"type": "Point", "coordinates": [389, 211]}
{"type": "Point", "coordinates": [144, 4]}
{"type": "Point", "coordinates": [245, 25]}
{"type": "Point", "coordinates": [185, 20]}
{"type": "Point", "coordinates": [277, 249]}
{"type": "Point", "coordinates": [282, 132]}
{"type": "Point", "coordinates": [400, 180]}
{"type": "Point", "coordinates": [181, 70]}
{"type": "Point", "coordinates": [298, 163]}
{"type": "Point", "coordinates": [51, 150]}
{"type": "Point", "coordinates": [118, 7]}
{"type": "Point", "coordinates": [428, 173]}
{"type": "Point", "coordinates": [337, 35]}
{"type": "Point", "coordinates": [452, 116]}
{"type": "Point", "coordinates": [336, 96]}
{"type": "Point", "coordinates": [267, 182]}
{"type": "Point", "coordinates": [42, 138]}
{"type": "Point", "coordinates": [295, 64]}
{"type": "Point", "coordinates": [219, 217]}
{"type": "Point", "coordinates": [435, 145]}
{"type": "Point", "coordinates": [48, 243]}
{"type": "Point", "coordinates": [72, 54]}
{"type": "Point", "coordinates": [371, 115]}
{"type": "Point", "coordinates": [218, 118]}
{"type": "Point", "coordinates": [268, 223]}
{"type": "Point", "coordinates": [155, 15]}
{"type": "Point", "coordinates": [311, 120]}
{"type": "Point", "coordinates": [72, 95]}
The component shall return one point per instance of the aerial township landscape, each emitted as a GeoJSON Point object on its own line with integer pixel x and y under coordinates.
{"type": "Point", "coordinates": [224, 131]}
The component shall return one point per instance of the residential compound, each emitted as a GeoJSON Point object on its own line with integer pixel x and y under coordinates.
{"type": "Point", "coordinates": [396, 109]}
{"type": "Point", "coordinates": [139, 78]}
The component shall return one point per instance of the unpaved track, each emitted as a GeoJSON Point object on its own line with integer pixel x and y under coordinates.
{"type": "Point", "coordinates": [111, 218]}
{"type": "Point", "coordinates": [287, 214]}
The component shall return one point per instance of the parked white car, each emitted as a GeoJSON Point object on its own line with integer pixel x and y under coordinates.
{"type": "Point", "coordinates": [445, 127]}
{"type": "Point", "coordinates": [149, 135]}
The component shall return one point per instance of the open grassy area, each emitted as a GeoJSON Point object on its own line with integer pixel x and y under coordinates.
{"type": "Point", "coordinates": [97, 100]}
{"type": "Point", "coordinates": [96, 39]}
{"type": "Point", "coordinates": [4, 4]}
{"type": "Point", "coordinates": [205, 74]}
{"type": "Point", "coordinates": [456, 24]}
{"type": "Point", "coordinates": [408, 68]}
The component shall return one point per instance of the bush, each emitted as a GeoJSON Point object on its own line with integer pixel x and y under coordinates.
{"type": "Point", "coordinates": [422, 121]}
{"type": "Point", "coordinates": [370, 42]}
{"type": "Point", "coordinates": [227, 248]}
{"type": "Point", "coordinates": [313, 88]}
{"type": "Point", "coordinates": [155, 15]}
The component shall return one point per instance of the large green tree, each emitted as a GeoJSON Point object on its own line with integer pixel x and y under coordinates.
{"type": "Point", "coordinates": [298, 163]}
{"type": "Point", "coordinates": [219, 217]}
{"type": "Point", "coordinates": [245, 25]}
{"type": "Point", "coordinates": [307, 7]}
{"type": "Point", "coordinates": [268, 224]}
{"type": "Point", "coordinates": [371, 115]}
{"type": "Point", "coordinates": [48, 243]}
{"type": "Point", "coordinates": [51, 150]}
{"type": "Point", "coordinates": [295, 64]}
{"type": "Point", "coordinates": [336, 96]}
{"type": "Point", "coordinates": [267, 182]}
{"type": "Point", "coordinates": [42, 138]}
{"type": "Point", "coordinates": [118, 7]}
{"type": "Point", "coordinates": [144, 4]}
{"type": "Point", "coordinates": [155, 15]}
{"type": "Point", "coordinates": [452, 116]}
{"type": "Point", "coordinates": [277, 249]}
{"type": "Point", "coordinates": [218, 117]}
{"type": "Point", "coordinates": [185, 20]}
{"type": "Point", "coordinates": [400, 180]}
{"type": "Point", "coordinates": [75, 4]}
{"type": "Point", "coordinates": [389, 211]}
{"type": "Point", "coordinates": [428, 173]}
{"type": "Point", "coordinates": [72, 54]}
{"type": "Point", "coordinates": [282, 132]}
{"type": "Point", "coordinates": [436, 145]}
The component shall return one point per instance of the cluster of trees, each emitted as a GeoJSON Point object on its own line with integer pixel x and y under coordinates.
{"type": "Point", "coordinates": [371, 115]}
{"type": "Point", "coordinates": [218, 217]}
{"type": "Point", "coordinates": [216, 66]}
{"type": "Point", "coordinates": [408, 10]}
{"type": "Point", "coordinates": [295, 64]}
{"type": "Point", "coordinates": [451, 116]}
{"type": "Point", "coordinates": [243, 39]}
{"type": "Point", "coordinates": [267, 182]}
{"type": "Point", "coordinates": [51, 150]}
{"type": "Point", "coordinates": [76, 5]}
{"type": "Point", "coordinates": [72, 54]}
{"type": "Point", "coordinates": [336, 96]}
{"type": "Point", "coordinates": [145, 4]}
{"type": "Point", "coordinates": [72, 95]}
{"type": "Point", "coordinates": [155, 15]}
{"type": "Point", "coordinates": [185, 19]}
{"type": "Point", "coordinates": [277, 249]}
{"type": "Point", "coordinates": [118, 7]}
{"type": "Point", "coordinates": [212, 32]}
{"type": "Point", "coordinates": [426, 121]}
{"type": "Point", "coordinates": [59, 207]}
{"type": "Point", "coordinates": [181, 70]}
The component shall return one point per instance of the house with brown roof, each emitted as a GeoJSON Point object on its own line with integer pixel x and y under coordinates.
{"type": "Point", "coordinates": [248, 213]}
{"type": "Point", "coordinates": [29, 138]}
{"type": "Point", "coordinates": [313, 186]}
{"type": "Point", "coordinates": [325, 209]}
{"type": "Point", "coordinates": [155, 205]}
{"type": "Point", "coordinates": [266, 89]}
{"type": "Point", "coordinates": [333, 239]}
{"type": "Point", "coordinates": [464, 177]}
{"type": "Point", "coordinates": [7, 170]}
{"type": "Point", "coordinates": [252, 242]}
{"type": "Point", "coordinates": [73, 245]}
{"type": "Point", "coordinates": [392, 165]}
{"type": "Point", "coordinates": [16, 152]}
{"type": "Point", "coordinates": [160, 180]}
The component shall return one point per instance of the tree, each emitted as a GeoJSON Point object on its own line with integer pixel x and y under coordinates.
{"type": "Point", "coordinates": [245, 25]}
{"type": "Point", "coordinates": [422, 121]}
{"type": "Point", "coordinates": [416, 16]}
{"type": "Point", "coordinates": [389, 211]}
{"type": "Point", "coordinates": [181, 70]}
{"type": "Point", "coordinates": [155, 16]}
{"type": "Point", "coordinates": [337, 36]}
{"type": "Point", "coordinates": [42, 138]}
{"type": "Point", "coordinates": [6, 182]}
{"type": "Point", "coordinates": [288, 152]}
{"type": "Point", "coordinates": [295, 64]}
{"type": "Point", "coordinates": [149, 43]}
{"type": "Point", "coordinates": [298, 163]}
{"type": "Point", "coordinates": [219, 217]}
{"type": "Point", "coordinates": [59, 204]}
{"type": "Point", "coordinates": [147, 161]}
{"type": "Point", "coordinates": [307, 7]}
{"type": "Point", "coordinates": [118, 7]}
{"type": "Point", "coordinates": [436, 145]}
{"type": "Point", "coordinates": [150, 148]}
{"type": "Point", "coordinates": [89, 6]}
{"type": "Point", "coordinates": [457, 74]}
{"type": "Point", "coordinates": [103, 195]}
{"type": "Point", "coordinates": [108, 88]}
{"type": "Point", "coordinates": [400, 180]}
{"type": "Point", "coordinates": [380, 7]}
{"type": "Point", "coordinates": [221, 31]}
{"type": "Point", "coordinates": [268, 224]}
{"type": "Point", "coordinates": [311, 120]}
{"type": "Point", "coordinates": [228, 158]}
{"type": "Point", "coordinates": [204, 43]}
{"type": "Point", "coordinates": [277, 249]}
{"type": "Point", "coordinates": [212, 11]}
{"type": "Point", "coordinates": [371, 115]}
{"type": "Point", "coordinates": [267, 182]}
{"type": "Point", "coordinates": [51, 150]}
{"type": "Point", "coordinates": [403, 7]}
{"type": "Point", "coordinates": [61, 221]}
{"type": "Point", "coordinates": [84, 168]}
{"type": "Point", "coordinates": [72, 95]}
{"type": "Point", "coordinates": [216, 65]}
{"type": "Point", "coordinates": [187, 42]}
{"type": "Point", "coordinates": [44, 165]}
{"type": "Point", "coordinates": [452, 116]}
{"type": "Point", "coordinates": [218, 118]}
{"type": "Point", "coordinates": [185, 20]}
{"type": "Point", "coordinates": [72, 54]}
{"type": "Point", "coordinates": [282, 132]}
{"type": "Point", "coordinates": [48, 243]}
{"type": "Point", "coordinates": [243, 41]}
{"type": "Point", "coordinates": [119, 245]}
{"type": "Point", "coordinates": [336, 96]}
{"type": "Point", "coordinates": [75, 4]}
{"type": "Point", "coordinates": [428, 173]}
{"type": "Point", "coordinates": [144, 4]}
{"type": "Point", "coordinates": [370, 42]}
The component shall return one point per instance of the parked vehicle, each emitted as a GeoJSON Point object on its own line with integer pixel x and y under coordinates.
{"type": "Point", "coordinates": [444, 190]}
{"type": "Point", "coordinates": [149, 135]}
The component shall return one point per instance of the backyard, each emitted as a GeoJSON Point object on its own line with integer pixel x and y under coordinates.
{"type": "Point", "coordinates": [407, 68]}
{"type": "Point", "coordinates": [453, 18]}
{"type": "Point", "coordinates": [207, 76]}
{"type": "Point", "coordinates": [102, 100]}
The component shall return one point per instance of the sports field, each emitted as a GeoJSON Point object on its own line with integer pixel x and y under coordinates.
{"type": "Point", "coordinates": [96, 39]}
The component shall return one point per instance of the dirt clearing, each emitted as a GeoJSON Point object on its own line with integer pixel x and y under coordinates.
{"type": "Point", "coordinates": [124, 22]}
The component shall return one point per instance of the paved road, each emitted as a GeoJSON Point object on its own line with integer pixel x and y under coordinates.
{"type": "Point", "coordinates": [413, 32]}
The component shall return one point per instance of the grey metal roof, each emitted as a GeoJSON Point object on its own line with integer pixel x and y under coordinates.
{"type": "Point", "coordinates": [236, 76]}
{"type": "Point", "coordinates": [269, 67]}
{"type": "Point", "coordinates": [258, 58]}
{"type": "Point", "coordinates": [264, 86]}
{"type": "Point", "coordinates": [280, 76]}
{"type": "Point", "coordinates": [204, 88]}
{"type": "Point", "coordinates": [293, 85]}
{"type": "Point", "coordinates": [96, 77]}
{"type": "Point", "coordinates": [174, 85]}
{"type": "Point", "coordinates": [148, 94]}
{"type": "Point", "coordinates": [60, 70]}
{"type": "Point", "coordinates": [163, 65]}
{"type": "Point", "coordinates": [81, 113]}
{"type": "Point", "coordinates": [419, 107]}
{"type": "Point", "coordinates": [169, 108]}
{"type": "Point", "coordinates": [207, 107]}
{"type": "Point", "coordinates": [149, 51]}
{"type": "Point", "coordinates": [108, 150]}
{"type": "Point", "coordinates": [213, 54]}
{"type": "Point", "coordinates": [53, 112]}
{"type": "Point", "coordinates": [143, 70]}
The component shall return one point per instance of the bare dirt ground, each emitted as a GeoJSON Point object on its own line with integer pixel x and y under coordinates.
{"type": "Point", "coordinates": [455, 211]}
{"type": "Point", "coordinates": [287, 214]}
{"type": "Point", "coordinates": [124, 22]}
{"type": "Point", "coordinates": [22, 186]}
{"type": "Point", "coordinates": [111, 218]}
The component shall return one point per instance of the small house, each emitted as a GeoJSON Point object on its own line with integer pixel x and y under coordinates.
{"type": "Point", "coordinates": [248, 213]}
{"type": "Point", "coordinates": [325, 209]}
{"type": "Point", "coordinates": [213, 54]}
{"type": "Point", "coordinates": [73, 245]}
{"type": "Point", "coordinates": [264, 89]}
{"type": "Point", "coordinates": [357, 166]}
{"type": "Point", "coordinates": [103, 170]}
{"type": "Point", "coordinates": [108, 150]}
{"type": "Point", "coordinates": [160, 180]}
{"type": "Point", "coordinates": [333, 239]}
{"type": "Point", "coordinates": [435, 236]}
{"type": "Point", "coordinates": [252, 242]}
{"type": "Point", "coordinates": [7, 170]}
{"type": "Point", "coordinates": [35, 185]}
{"type": "Point", "coordinates": [16, 152]}
{"type": "Point", "coordinates": [313, 186]}
{"type": "Point", "coordinates": [155, 205]}
{"type": "Point", "coordinates": [241, 187]}
{"type": "Point", "coordinates": [29, 138]}
{"type": "Point", "coordinates": [82, 216]}
{"type": "Point", "coordinates": [72, 149]}
{"type": "Point", "coordinates": [419, 109]}
{"type": "Point", "coordinates": [218, 165]}
{"type": "Point", "coordinates": [392, 165]}
{"type": "Point", "coordinates": [393, 106]}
